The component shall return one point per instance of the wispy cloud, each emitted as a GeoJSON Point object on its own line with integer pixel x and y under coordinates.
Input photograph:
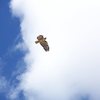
{"type": "Point", "coordinates": [3, 84]}
{"type": "Point", "coordinates": [72, 65]}
{"type": "Point", "coordinates": [8, 84]}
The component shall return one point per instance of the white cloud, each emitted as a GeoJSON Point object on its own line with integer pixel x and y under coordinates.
{"type": "Point", "coordinates": [72, 65]}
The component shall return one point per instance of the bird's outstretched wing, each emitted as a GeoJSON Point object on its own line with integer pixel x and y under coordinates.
{"type": "Point", "coordinates": [45, 45]}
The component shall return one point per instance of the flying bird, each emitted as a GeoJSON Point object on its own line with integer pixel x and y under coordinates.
{"type": "Point", "coordinates": [43, 42]}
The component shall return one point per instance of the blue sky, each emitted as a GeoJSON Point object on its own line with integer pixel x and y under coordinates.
{"type": "Point", "coordinates": [9, 37]}
{"type": "Point", "coordinates": [9, 27]}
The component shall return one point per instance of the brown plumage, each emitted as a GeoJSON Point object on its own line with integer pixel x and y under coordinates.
{"type": "Point", "coordinates": [42, 42]}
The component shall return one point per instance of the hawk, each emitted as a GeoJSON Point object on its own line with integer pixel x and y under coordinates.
{"type": "Point", "coordinates": [43, 42]}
